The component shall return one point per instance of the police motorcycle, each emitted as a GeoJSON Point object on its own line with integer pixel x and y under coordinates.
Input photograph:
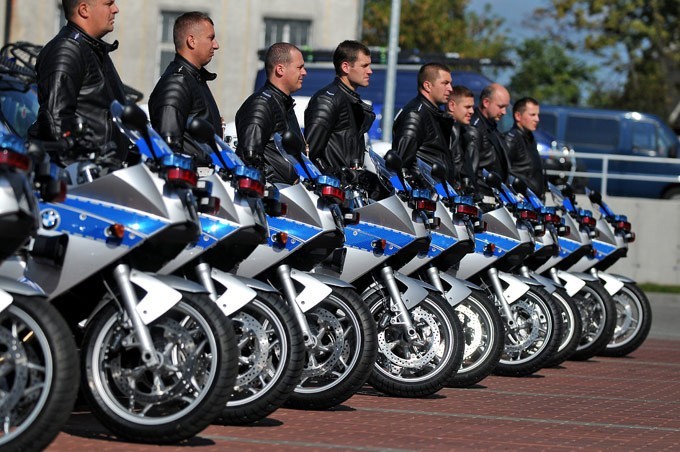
{"type": "Point", "coordinates": [595, 305]}
{"type": "Point", "coordinates": [337, 328]}
{"type": "Point", "coordinates": [633, 311]}
{"type": "Point", "coordinates": [38, 357]}
{"type": "Point", "coordinates": [547, 228]}
{"type": "Point", "coordinates": [420, 339]}
{"type": "Point", "coordinates": [271, 350]}
{"type": "Point", "coordinates": [531, 317]}
{"type": "Point", "coordinates": [158, 358]}
{"type": "Point", "coordinates": [453, 239]}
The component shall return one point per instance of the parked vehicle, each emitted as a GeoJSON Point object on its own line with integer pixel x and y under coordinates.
{"type": "Point", "coordinates": [644, 150]}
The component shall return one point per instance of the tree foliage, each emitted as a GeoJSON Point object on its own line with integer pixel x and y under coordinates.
{"type": "Point", "coordinates": [639, 38]}
{"type": "Point", "coordinates": [547, 73]}
{"type": "Point", "coordinates": [437, 26]}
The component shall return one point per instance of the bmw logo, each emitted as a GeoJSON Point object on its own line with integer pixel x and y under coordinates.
{"type": "Point", "coordinates": [49, 218]}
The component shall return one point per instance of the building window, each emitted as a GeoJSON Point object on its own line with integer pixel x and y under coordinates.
{"type": "Point", "coordinates": [287, 30]}
{"type": "Point", "coordinates": [166, 44]}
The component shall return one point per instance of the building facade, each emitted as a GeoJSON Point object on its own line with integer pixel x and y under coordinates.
{"type": "Point", "coordinates": [144, 31]}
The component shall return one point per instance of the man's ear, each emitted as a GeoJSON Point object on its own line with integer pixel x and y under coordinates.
{"type": "Point", "coordinates": [427, 86]}
{"type": "Point", "coordinates": [83, 10]}
{"type": "Point", "coordinates": [279, 69]}
{"type": "Point", "coordinates": [191, 41]}
{"type": "Point", "coordinates": [345, 66]}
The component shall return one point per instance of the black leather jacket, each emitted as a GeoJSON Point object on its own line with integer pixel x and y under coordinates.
{"type": "Point", "coordinates": [423, 130]}
{"type": "Point", "coordinates": [335, 123]}
{"type": "Point", "coordinates": [182, 92]}
{"type": "Point", "coordinates": [490, 150]}
{"type": "Point", "coordinates": [265, 112]}
{"type": "Point", "coordinates": [76, 78]}
{"type": "Point", "coordinates": [464, 139]}
{"type": "Point", "coordinates": [525, 161]}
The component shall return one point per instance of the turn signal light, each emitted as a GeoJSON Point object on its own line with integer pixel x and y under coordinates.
{"type": "Point", "coordinates": [379, 244]}
{"type": "Point", "coordinates": [280, 238]}
{"type": "Point", "coordinates": [116, 230]}
{"type": "Point", "coordinates": [182, 176]}
{"type": "Point", "coordinates": [528, 215]}
{"type": "Point", "coordinates": [14, 160]}
{"type": "Point", "coordinates": [552, 218]}
{"type": "Point", "coordinates": [462, 209]}
{"type": "Point", "coordinates": [588, 221]}
{"type": "Point", "coordinates": [333, 194]}
{"type": "Point", "coordinates": [251, 186]}
{"type": "Point", "coordinates": [489, 249]}
{"type": "Point", "coordinates": [623, 225]}
{"type": "Point", "coordinates": [426, 205]}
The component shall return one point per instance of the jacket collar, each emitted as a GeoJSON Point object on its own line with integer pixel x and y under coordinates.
{"type": "Point", "coordinates": [489, 122]}
{"type": "Point", "coordinates": [79, 34]}
{"type": "Point", "coordinates": [525, 133]}
{"type": "Point", "coordinates": [285, 98]}
{"type": "Point", "coordinates": [430, 106]}
{"type": "Point", "coordinates": [202, 73]}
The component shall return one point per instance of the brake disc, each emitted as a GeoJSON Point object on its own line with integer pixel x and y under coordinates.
{"type": "Point", "coordinates": [254, 347]}
{"type": "Point", "coordinates": [170, 380]}
{"type": "Point", "coordinates": [527, 329]}
{"type": "Point", "coordinates": [329, 347]}
{"type": "Point", "coordinates": [416, 356]}
{"type": "Point", "coordinates": [472, 328]}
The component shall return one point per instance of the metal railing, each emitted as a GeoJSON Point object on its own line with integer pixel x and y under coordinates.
{"type": "Point", "coordinates": [670, 167]}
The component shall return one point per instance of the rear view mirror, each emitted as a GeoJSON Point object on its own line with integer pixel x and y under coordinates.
{"type": "Point", "coordinates": [393, 161]}
{"type": "Point", "coordinates": [291, 142]}
{"type": "Point", "coordinates": [439, 171]}
{"type": "Point", "coordinates": [134, 117]}
{"type": "Point", "coordinates": [595, 197]}
{"type": "Point", "coordinates": [519, 185]}
{"type": "Point", "coordinates": [494, 180]}
{"type": "Point", "coordinates": [201, 129]}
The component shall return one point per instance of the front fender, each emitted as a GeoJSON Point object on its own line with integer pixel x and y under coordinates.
{"type": "Point", "coordinates": [181, 284]}
{"type": "Point", "coordinates": [612, 284]}
{"type": "Point", "coordinates": [458, 290]}
{"type": "Point", "coordinates": [236, 295]}
{"type": "Point", "coordinates": [517, 286]}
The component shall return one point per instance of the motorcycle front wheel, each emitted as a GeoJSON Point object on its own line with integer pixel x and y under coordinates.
{"type": "Point", "coordinates": [598, 314]}
{"type": "Point", "coordinates": [342, 357]}
{"type": "Point", "coordinates": [271, 359]}
{"type": "Point", "coordinates": [533, 338]}
{"type": "Point", "coordinates": [572, 327]}
{"type": "Point", "coordinates": [175, 399]}
{"type": "Point", "coordinates": [38, 374]}
{"type": "Point", "coordinates": [484, 339]}
{"type": "Point", "coordinates": [633, 321]}
{"type": "Point", "coordinates": [418, 365]}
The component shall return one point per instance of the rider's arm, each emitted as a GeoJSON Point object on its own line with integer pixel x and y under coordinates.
{"type": "Point", "coordinates": [320, 118]}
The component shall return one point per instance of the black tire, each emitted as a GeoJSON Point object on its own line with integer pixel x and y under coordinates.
{"type": "Point", "coordinates": [484, 339]}
{"type": "Point", "coordinates": [633, 321]}
{"type": "Point", "coordinates": [535, 337]}
{"type": "Point", "coordinates": [440, 352]}
{"type": "Point", "coordinates": [347, 347]}
{"type": "Point", "coordinates": [198, 371]}
{"type": "Point", "coordinates": [598, 314]}
{"type": "Point", "coordinates": [572, 327]}
{"type": "Point", "coordinates": [271, 359]}
{"type": "Point", "coordinates": [38, 374]}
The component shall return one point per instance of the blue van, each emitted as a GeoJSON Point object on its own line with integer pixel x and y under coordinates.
{"type": "Point", "coordinates": [648, 167]}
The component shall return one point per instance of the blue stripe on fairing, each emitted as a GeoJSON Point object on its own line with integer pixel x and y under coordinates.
{"type": "Point", "coordinates": [439, 243]}
{"type": "Point", "coordinates": [214, 229]}
{"type": "Point", "coordinates": [602, 249]}
{"type": "Point", "coordinates": [361, 236]}
{"type": "Point", "coordinates": [568, 246]}
{"type": "Point", "coordinates": [298, 233]}
{"type": "Point", "coordinates": [135, 220]}
{"type": "Point", "coordinates": [76, 222]}
{"type": "Point", "coordinates": [503, 244]}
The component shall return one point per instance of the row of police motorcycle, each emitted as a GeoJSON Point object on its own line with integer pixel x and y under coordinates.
{"type": "Point", "coordinates": [191, 297]}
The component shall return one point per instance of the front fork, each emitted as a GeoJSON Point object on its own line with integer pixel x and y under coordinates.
{"type": "Point", "coordinates": [498, 290]}
{"type": "Point", "coordinates": [284, 274]}
{"type": "Point", "coordinates": [397, 304]}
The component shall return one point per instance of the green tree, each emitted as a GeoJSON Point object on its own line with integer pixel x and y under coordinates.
{"type": "Point", "coordinates": [637, 38]}
{"type": "Point", "coordinates": [437, 26]}
{"type": "Point", "coordinates": [547, 73]}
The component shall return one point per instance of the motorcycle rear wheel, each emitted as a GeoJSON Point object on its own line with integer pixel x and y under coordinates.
{"type": "Point", "coordinates": [420, 367]}
{"type": "Point", "coordinates": [196, 346]}
{"type": "Point", "coordinates": [341, 362]}
{"type": "Point", "coordinates": [633, 321]}
{"type": "Point", "coordinates": [38, 374]}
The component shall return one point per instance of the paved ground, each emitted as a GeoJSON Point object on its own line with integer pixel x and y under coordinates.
{"type": "Point", "coordinates": [605, 403]}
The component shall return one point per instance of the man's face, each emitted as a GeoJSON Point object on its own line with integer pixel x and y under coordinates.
{"type": "Point", "coordinates": [101, 16]}
{"type": "Point", "coordinates": [441, 88]}
{"type": "Point", "coordinates": [294, 72]}
{"type": "Point", "coordinates": [359, 72]}
{"type": "Point", "coordinates": [205, 42]}
{"type": "Point", "coordinates": [496, 106]}
{"type": "Point", "coordinates": [528, 119]}
{"type": "Point", "coordinates": [461, 108]}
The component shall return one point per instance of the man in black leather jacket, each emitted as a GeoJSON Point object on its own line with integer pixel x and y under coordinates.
{"type": "Point", "coordinates": [336, 118]}
{"type": "Point", "coordinates": [182, 91]}
{"type": "Point", "coordinates": [270, 110]}
{"type": "Point", "coordinates": [421, 128]}
{"type": "Point", "coordinates": [490, 149]}
{"type": "Point", "coordinates": [525, 161]}
{"type": "Point", "coordinates": [461, 108]}
{"type": "Point", "coordinates": [77, 80]}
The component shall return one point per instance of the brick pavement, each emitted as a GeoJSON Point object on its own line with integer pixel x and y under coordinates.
{"type": "Point", "coordinates": [604, 403]}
